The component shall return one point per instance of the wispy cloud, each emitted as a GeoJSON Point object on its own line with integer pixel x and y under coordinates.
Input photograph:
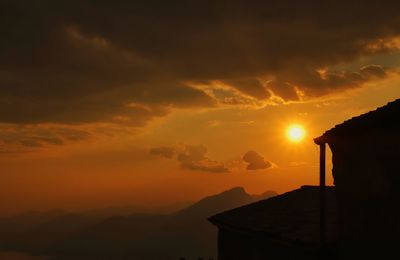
{"type": "Point", "coordinates": [191, 157]}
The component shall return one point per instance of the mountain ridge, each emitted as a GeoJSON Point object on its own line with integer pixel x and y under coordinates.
{"type": "Point", "coordinates": [183, 233]}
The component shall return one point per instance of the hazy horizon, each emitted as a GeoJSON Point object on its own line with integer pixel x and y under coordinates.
{"type": "Point", "coordinates": [125, 209]}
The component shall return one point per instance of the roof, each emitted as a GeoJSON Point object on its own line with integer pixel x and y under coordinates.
{"type": "Point", "coordinates": [383, 118]}
{"type": "Point", "coordinates": [292, 217]}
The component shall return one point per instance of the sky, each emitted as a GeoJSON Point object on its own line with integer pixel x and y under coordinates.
{"type": "Point", "coordinates": [156, 103]}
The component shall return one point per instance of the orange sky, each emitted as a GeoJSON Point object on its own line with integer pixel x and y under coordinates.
{"type": "Point", "coordinates": [165, 112]}
{"type": "Point", "coordinates": [120, 170]}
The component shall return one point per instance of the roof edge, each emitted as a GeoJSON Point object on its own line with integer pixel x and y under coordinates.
{"type": "Point", "coordinates": [338, 129]}
{"type": "Point", "coordinates": [320, 140]}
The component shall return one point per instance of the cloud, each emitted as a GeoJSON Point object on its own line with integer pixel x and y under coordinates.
{"type": "Point", "coordinates": [165, 151]}
{"type": "Point", "coordinates": [255, 161]}
{"type": "Point", "coordinates": [28, 137]}
{"type": "Point", "coordinates": [75, 62]}
{"type": "Point", "coordinates": [191, 157]}
{"type": "Point", "coordinates": [373, 71]}
{"type": "Point", "coordinates": [252, 87]}
{"type": "Point", "coordinates": [320, 82]}
{"type": "Point", "coordinates": [194, 158]}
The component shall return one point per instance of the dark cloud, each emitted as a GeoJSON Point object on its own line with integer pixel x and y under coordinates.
{"type": "Point", "coordinates": [255, 161]}
{"type": "Point", "coordinates": [373, 71]}
{"type": "Point", "coordinates": [30, 143]}
{"type": "Point", "coordinates": [194, 158]}
{"type": "Point", "coordinates": [315, 83]}
{"type": "Point", "coordinates": [191, 157]}
{"type": "Point", "coordinates": [21, 137]}
{"type": "Point", "coordinates": [252, 87]}
{"type": "Point", "coordinates": [165, 151]}
{"type": "Point", "coordinates": [72, 134]}
{"type": "Point", "coordinates": [88, 61]}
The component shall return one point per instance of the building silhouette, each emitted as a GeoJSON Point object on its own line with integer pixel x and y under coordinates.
{"type": "Point", "coordinates": [285, 226]}
{"type": "Point", "coordinates": [358, 217]}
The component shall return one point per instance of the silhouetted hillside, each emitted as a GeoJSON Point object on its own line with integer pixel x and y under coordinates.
{"type": "Point", "coordinates": [12, 227]}
{"type": "Point", "coordinates": [132, 209]}
{"type": "Point", "coordinates": [184, 233]}
{"type": "Point", "coordinates": [45, 235]}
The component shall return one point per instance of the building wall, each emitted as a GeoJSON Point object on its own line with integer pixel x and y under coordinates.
{"type": "Point", "coordinates": [366, 170]}
{"type": "Point", "coordinates": [236, 246]}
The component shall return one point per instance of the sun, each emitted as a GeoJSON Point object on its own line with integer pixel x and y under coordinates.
{"type": "Point", "coordinates": [295, 133]}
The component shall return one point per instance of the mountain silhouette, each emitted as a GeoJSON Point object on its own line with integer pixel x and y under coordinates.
{"type": "Point", "coordinates": [14, 226]}
{"type": "Point", "coordinates": [183, 233]}
{"type": "Point", "coordinates": [225, 200]}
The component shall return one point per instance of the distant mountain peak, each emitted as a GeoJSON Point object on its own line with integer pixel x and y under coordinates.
{"type": "Point", "coordinates": [225, 200]}
{"type": "Point", "coordinates": [237, 189]}
{"type": "Point", "coordinates": [73, 234]}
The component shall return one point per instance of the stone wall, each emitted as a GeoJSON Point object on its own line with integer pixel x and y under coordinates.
{"type": "Point", "coordinates": [238, 246]}
{"type": "Point", "coordinates": [366, 170]}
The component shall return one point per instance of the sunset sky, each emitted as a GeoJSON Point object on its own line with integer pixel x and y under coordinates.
{"type": "Point", "coordinates": [155, 103]}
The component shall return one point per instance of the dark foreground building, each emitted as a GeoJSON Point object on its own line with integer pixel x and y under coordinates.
{"type": "Point", "coordinates": [282, 227]}
{"type": "Point", "coordinates": [366, 170]}
{"type": "Point", "coordinates": [362, 211]}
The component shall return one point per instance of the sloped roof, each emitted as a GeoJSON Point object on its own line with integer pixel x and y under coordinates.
{"type": "Point", "coordinates": [292, 217]}
{"type": "Point", "coordinates": [383, 118]}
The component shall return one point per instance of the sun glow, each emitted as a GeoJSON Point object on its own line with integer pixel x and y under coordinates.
{"type": "Point", "coordinates": [295, 133]}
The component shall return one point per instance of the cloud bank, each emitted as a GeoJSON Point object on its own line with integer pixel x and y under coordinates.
{"type": "Point", "coordinates": [128, 62]}
{"type": "Point", "coordinates": [194, 157]}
